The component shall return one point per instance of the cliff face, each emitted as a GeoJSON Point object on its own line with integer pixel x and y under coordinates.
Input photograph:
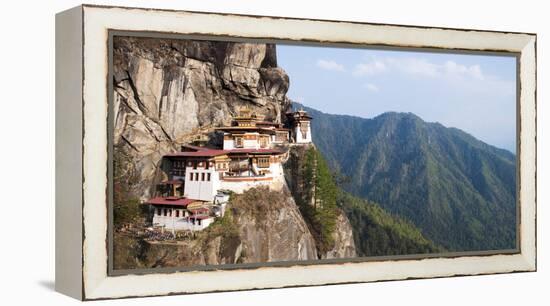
{"type": "Point", "coordinates": [168, 91]}
{"type": "Point", "coordinates": [271, 227]}
{"type": "Point", "coordinates": [344, 245]}
{"type": "Point", "coordinates": [261, 225]}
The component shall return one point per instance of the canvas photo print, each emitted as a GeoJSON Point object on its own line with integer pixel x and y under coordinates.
{"type": "Point", "coordinates": [230, 153]}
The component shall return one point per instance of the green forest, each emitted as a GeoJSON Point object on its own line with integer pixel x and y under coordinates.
{"type": "Point", "coordinates": [459, 191]}
{"type": "Point", "coordinates": [375, 232]}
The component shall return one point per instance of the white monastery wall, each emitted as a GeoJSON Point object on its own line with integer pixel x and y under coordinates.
{"type": "Point", "coordinates": [180, 223]}
{"type": "Point", "coordinates": [300, 137]}
{"type": "Point", "coordinates": [201, 189]}
{"type": "Point", "coordinates": [228, 144]}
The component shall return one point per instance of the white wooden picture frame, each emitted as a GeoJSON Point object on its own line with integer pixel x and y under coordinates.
{"type": "Point", "coordinates": [82, 35]}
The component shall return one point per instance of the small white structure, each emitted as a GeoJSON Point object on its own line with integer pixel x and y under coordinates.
{"type": "Point", "coordinates": [220, 204]}
{"type": "Point", "coordinates": [301, 126]}
{"type": "Point", "coordinates": [175, 214]}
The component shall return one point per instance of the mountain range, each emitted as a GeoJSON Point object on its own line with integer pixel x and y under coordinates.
{"type": "Point", "coordinates": [459, 191]}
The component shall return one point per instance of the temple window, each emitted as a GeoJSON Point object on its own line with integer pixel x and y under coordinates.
{"type": "Point", "coordinates": [263, 142]}
{"type": "Point", "coordinates": [238, 142]}
{"type": "Point", "coordinates": [263, 162]}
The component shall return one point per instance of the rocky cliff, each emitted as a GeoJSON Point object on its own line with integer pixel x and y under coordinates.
{"type": "Point", "coordinates": [166, 93]}
{"type": "Point", "coordinates": [344, 243]}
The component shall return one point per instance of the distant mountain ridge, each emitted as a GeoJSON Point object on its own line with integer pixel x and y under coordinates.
{"type": "Point", "coordinates": [461, 192]}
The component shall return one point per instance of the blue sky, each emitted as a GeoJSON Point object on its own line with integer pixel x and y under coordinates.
{"type": "Point", "coordinates": [475, 93]}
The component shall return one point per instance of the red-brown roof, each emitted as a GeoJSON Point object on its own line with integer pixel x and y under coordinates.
{"type": "Point", "coordinates": [254, 151]}
{"type": "Point", "coordinates": [201, 153]}
{"type": "Point", "coordinates": [175, 201]}
{"type": "Point", "coordinates": [193, 148]}
{"type": "Point", "coordinates": [218, 152]}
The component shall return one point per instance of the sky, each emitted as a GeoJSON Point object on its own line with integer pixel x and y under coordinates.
{"type": "Point", "coordinates": [475, 93]}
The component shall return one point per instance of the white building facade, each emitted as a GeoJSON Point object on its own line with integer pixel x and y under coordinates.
{"type": "Point", "coordinates": [300, 126]}
{"type": "Point", "coordinates": [177, 213]}
{"type": "Point", "coordinates": [180, 219]}
{"type": "Point", "coordinates": [302, 132]}
{"type": "Point", "coordinates": [202, 181]}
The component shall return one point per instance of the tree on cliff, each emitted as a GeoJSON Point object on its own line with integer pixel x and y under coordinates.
{"type": "Point", "coordinates": [315, 193]}
{"type": "Point", "coordinates": [126, 209]}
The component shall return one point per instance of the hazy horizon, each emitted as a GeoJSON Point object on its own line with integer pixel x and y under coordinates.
{"type": "Point", "coordinates": [473, 93]}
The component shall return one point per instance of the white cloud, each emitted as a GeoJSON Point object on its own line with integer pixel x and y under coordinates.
{"type": "Point", "coordinates": [418, 67]}
{"type": "Point", "coordinates": [370, 68]}
{"type": "Point", "coordinates": [371, 87]}
{"type": "Point", "coordinates": [456, 70]}
{"type": "Point", "coordinates": [330, 65]}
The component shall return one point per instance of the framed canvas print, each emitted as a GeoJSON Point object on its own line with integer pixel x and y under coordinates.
{"type": "Point", "coordinates": [201, 152]}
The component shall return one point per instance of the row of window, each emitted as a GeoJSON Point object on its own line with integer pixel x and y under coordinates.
{"type": "Point", "coordinates": [167, 212]}
{"type": "Point", "coordinates": [206, 164]}
{"type": "Point", "coordinates": [178, 172]}
{"type": "Point", "coordinates": [263, 162]}
{"type": "Point", "coordinates": [220, 166]}
{"type": "Point", "coordinates": [264, 141]}
{"type": "Point", "coordinates": [195, 176]}
{"type": "Point", "coordinates": [180, 164]}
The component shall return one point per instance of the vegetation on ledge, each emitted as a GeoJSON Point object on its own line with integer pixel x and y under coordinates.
{"type": "Point", "coordinates": [315, 192]}
{"type": "Point", "coordinates": [127, 209]}
{"type": "Point", "coordinates": [378, 233]}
